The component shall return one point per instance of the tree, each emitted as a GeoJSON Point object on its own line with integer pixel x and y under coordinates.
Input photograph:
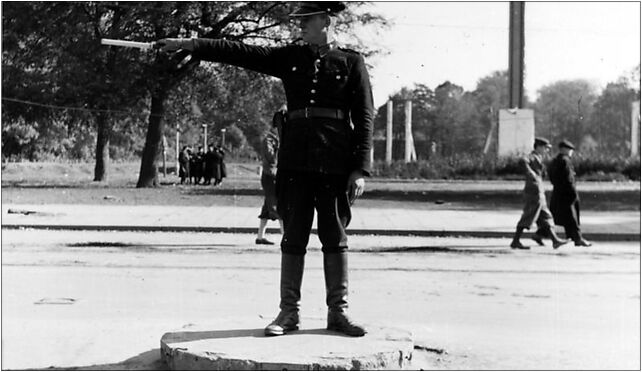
{"type": "Point", "coordinates": [53, 48]}
{"type": "Point", "coordinates": [447, 97]}
{"type": "Point", "coordinates": [563, 109]}
{"type": "Point", "coordinates": [491, 95]}
{"type": "Point", "coordinates": [610, 123]}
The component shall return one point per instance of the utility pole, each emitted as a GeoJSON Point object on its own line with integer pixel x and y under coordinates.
{"type": "Point", "coordinates": [516, 55]}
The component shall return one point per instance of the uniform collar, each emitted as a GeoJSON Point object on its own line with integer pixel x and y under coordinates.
{"type": "Point", "coordinates": [322, 50]}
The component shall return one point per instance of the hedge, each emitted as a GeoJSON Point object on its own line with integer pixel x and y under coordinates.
{"type": "Point", "coordinates": [594, 168]}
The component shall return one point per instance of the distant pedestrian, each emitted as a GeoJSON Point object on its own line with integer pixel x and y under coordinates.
{"type": "Point", "coordinates": [222, 170]}
{"type": "Point", "coordinates": [565, 201]}
{"type": "Point", "coordinates": [183, 163]}
{"type": "Point", "coordinates": [535, 209]}
{"type": "Point", "coordinates": [196, 166]}
{"type": "Point", "coordinates": [210, 163]}
{"type": "Point", "coordinates": [270, 149]}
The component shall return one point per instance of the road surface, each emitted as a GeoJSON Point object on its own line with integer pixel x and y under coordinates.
{"type": "Point", "coordinates": [102, 300]}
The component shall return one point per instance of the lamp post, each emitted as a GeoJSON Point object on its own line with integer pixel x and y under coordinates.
{"type": "Point", "coordinates": [223, 138]}
{"type": "Point", "coordinates": [204, 135]}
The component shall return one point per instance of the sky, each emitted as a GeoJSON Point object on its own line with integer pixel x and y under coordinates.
{"type": "Point", "coordinates": [431, 42]}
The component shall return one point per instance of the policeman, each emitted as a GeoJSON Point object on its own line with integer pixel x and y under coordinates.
{"type": "Point", "coordinates": [565, 201]}
{"type": "Point", "coordinates": [535, 209]}
{"type": "Point", "coordinates": [324, 154]}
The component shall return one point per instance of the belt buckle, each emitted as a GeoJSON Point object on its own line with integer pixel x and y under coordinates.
{"type": "Point", "coordinates": [306, 112]}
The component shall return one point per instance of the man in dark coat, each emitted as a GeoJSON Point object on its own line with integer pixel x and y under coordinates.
{"type": "Point", "coordinates": [221, 170]}
{"type": "Point", "coordinates": [196, 166]}
{"type": "Point", "coordinates": [565, 202]}
{"type": "Point", "coordinates": [183, 163]}
{"type": "Point", "coordinates": [535, 209]}
{"type": "Point", "coordinates": [324, 153]}
{"type": "Point", "coordinates": [209, 165]}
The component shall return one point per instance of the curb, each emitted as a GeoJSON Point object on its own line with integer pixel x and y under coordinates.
{"type": "Point", "coordinates": [252, 230]}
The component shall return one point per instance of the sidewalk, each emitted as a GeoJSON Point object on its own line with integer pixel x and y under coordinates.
{"type": "Point", "coordinates": [617, 226]}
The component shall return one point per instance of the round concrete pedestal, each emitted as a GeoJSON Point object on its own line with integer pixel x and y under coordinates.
{"type": "Point", "coordinates": [311, 348]}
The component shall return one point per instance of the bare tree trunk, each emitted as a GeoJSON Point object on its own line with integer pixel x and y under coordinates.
{"type": "Point", "coordinates": [148, 176]}
{"type": "Point", "coordinates": [102, 148]}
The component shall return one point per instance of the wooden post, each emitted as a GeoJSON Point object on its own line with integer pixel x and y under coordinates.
{"type": "Point", "coordinates": [164, 156]}
{"type": "Point", "coordinates": [635, 125]}
{"type": "Point", "coordinates": [489, 137]}
{"type": "Point", "coordinates": [389, 133]}
{"type": "Point", "coordinates": [410, 154]}
{"type": "Point", "coordinates": [178, 149]}
{"type": "Point", "coordinates": [516, 55]}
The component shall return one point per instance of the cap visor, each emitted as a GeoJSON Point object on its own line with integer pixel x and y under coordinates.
{"type": "Point", "coordinates": [305, 13]}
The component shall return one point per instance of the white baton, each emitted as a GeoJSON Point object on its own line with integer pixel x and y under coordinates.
{"type": "Point", "coordinates": [127, 44]}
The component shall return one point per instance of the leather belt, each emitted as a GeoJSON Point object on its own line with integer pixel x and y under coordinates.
{"type": "Point", "coordinates": [317, 112]}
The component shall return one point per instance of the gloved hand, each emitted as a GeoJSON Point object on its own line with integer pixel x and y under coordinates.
{"type": "Point", "coordinates": [172, 45]}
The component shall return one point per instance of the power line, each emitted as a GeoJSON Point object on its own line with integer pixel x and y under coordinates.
{"type": "Point", "coordinates": [31, 103]}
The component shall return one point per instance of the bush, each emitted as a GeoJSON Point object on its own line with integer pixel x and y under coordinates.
{"type": "Point", "coordinates": [595, 168]}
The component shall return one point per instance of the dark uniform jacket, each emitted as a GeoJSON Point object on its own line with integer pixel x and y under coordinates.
{"type": "Point", "coordinates": [336, 79]}
{"type": "Point", "coordinates": [564, 199]}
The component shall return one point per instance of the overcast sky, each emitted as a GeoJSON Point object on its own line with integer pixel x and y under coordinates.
{"type": "Point", "coordinates": [430, 43]}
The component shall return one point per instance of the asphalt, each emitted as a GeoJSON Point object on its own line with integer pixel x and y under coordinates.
{"type": "Point", "coordinates": [483, 223]}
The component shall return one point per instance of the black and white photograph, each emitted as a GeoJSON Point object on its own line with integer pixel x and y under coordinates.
{"type": "Point", "coordinates": [323, 185]}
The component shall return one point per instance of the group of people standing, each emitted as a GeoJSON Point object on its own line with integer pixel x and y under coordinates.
{"type": "Point", "coordinates": [565, 201]}
{"type": "Point", "coordinates": [208, 167]}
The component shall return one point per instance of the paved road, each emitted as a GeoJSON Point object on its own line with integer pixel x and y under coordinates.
{"type": "Point", "coordinates": [103, 299]}
{"type": "Point", "coordinates": [432, 220]}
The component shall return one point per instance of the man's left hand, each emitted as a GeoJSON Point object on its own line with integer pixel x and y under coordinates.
{"type": "Point", "coordinates": [356, 185]}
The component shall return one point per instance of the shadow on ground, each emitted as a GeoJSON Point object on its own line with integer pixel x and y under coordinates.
{"type": "Point", "coordinates": [148, 361]}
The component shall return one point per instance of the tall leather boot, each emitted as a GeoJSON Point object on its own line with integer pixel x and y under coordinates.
{"type": "Point", "coordinates": [291, 278]}
{"type": "Point", "coordinates": [557, 241]}
{"type": "Point", "coordinates": [516, 244]}
{"type": "Point", "coordinates": [335, 268]}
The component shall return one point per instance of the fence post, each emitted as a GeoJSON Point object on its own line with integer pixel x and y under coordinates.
{"type": "Point", "coordinates": [389, 133]}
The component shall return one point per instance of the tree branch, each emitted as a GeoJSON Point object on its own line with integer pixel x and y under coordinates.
{"type": "Point", "coordinates": [256, 30]}
{"type": "Point", "coordinates": [228, 19]}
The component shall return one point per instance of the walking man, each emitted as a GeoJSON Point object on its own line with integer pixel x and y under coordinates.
{"type": "Point", "coordinates": [324, 153]}
{"type": "Point", "coordinates": [565, 202]}
{"type": "Point", "coordinates": [535, 209]}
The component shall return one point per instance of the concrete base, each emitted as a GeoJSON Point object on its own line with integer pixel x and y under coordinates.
{"type": "Point", "coordinates": [311, 348]}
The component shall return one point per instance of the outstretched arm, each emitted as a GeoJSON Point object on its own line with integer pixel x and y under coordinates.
{"type": "Point", "coordinates": [265, 60]}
